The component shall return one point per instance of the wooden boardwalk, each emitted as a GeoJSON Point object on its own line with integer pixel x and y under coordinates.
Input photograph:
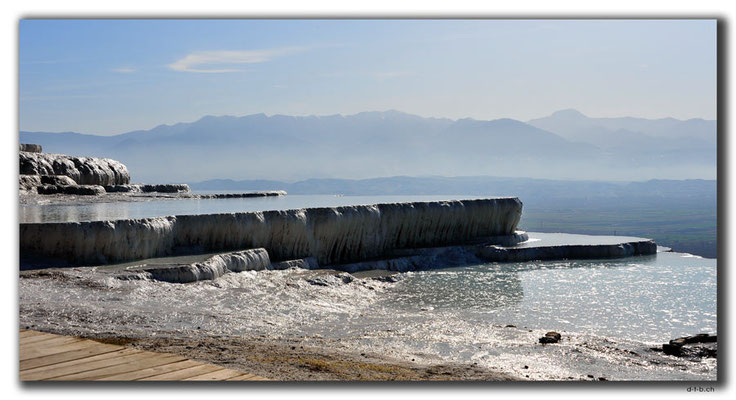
{"type": "Point", "coordinates": [49, 357]}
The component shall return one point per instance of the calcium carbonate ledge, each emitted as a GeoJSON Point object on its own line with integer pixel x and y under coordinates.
{"type": "Point", "coordinates": [332, 235]}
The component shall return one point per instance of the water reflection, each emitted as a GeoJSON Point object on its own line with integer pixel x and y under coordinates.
{"type": "Point", "coordinates": [459, 289]}
{"type": "Point", "coordinates": [81, 212]}
{"type": "Point", "coordinates": [483, 287]}
{"type": "Point", "coordinates": [165, 207]}
{"type": "Point", "coordinates": [650, 298]}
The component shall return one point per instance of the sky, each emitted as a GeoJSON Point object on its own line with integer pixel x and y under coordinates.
{"type": "Point", "coordinates": [108, 77]}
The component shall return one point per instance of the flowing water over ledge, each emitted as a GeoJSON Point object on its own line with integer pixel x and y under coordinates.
{"type": "Point", "coordinates": [609, 312]}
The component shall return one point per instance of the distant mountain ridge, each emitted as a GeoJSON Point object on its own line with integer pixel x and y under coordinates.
{"type": "Point", "coordinates": [393, 143]}
{"type": "Point", "coordinates": [574, 125]}
{"type": "Point", "coordinates": [542, 189]}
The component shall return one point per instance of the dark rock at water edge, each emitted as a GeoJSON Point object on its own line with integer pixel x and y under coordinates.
{"type": "Point", "coordinates": [82, 190]}
{"type": "Point", "coordinates": [138, 188]}
{"type": "Point", "coordinates": [166, 188]}
{"type": "Point", "coordinates": [31, 148]}
{"type": "Point", "coordinates": [243, 195]}
{"type": "Point", "coordinates": [388, 278]}
{"type": "Point", "coordinates": [122, 188]}
{"type": "Point", "coordinates": [699, 338]}
{"type": "Point", "coordinates": [335, 280]}
{"type": "Point", "coordinates": [550, 337]}
{"type": "Point", "coordinates": [697, 346]}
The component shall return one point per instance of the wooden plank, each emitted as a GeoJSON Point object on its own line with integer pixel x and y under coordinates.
{"type": "Point", "coordinates": [96, 365]}
{"type": "Point", "coordinates": [143, 362]}
{"type": "Point", "coordinates": [39, 335]}
{"type": "Point", "coordinates": [44, 338]}
{"type": "Point", "coordinates": [45, 356]}
{"type": "Point", "coordinates": [184, 373]}
{"type": "Point", "coordinates": [68, 356]}
{"type": "Point", "coordinates": [47, 343]}
{"type": "Point", "coordinates": [220, 375]}
{"type": "Point", "coordinates": [247, 377]}
{"type": "Point", "coordinates": [82, 365]}
{"type": "Point", "coordinates": [79, 365]}
{"type": "Point", "coordinates": [28, 352]}
{"type": "Point", "coordinates": [145, 373]}
{"type": "Point", "coordinates": [30, 333]}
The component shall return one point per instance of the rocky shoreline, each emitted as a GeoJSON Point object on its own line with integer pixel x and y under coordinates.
{"type": "Point", "coordinates": [268, 342]}
{"type": "Point", "coordinates": [695, 348]}
{"type": "Point", "coordinates": [319, 359]}
{"type": "Point", "coordinates": [291, 360]}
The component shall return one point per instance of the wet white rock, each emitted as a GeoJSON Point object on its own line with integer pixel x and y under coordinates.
{"type": "Point", "coordinates": [83, 190]}
{"type": "Point", "coordinates": [334, 235]}
{"type": "Point", "coordinates": [83, 170]}
{"type": "Point", "coordinates": [31, 148]}
{"type": "Point", "coordinates": [29, 182]}
{"type": "Point", "coordinates": [58, 180]}
{"type": "Point", "coordinates": [212, 268]}
{"type": "Point", "coordinates": [304, 263]}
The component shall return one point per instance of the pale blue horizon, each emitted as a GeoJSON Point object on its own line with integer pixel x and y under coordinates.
{"type": "Point", "coordinates": [113, 76]}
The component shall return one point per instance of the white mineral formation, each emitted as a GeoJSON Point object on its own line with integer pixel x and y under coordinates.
{"type": "Point", "coordinates": [31, 148]}
{"type": "Point", "coordinates": [336, 235]}
{"type": "Point", "coordinates": [578, 252]}
{"type": "Point", "coordinates": [83, 170]}
{"type": "Point", "coordinates": [212, 268]}
{"type": "Point", "coordinates": [57, 180]}
{"type": "Point", "coordinates": [303, 263]}
{"type": "Point", "coordinates": [29, 182]}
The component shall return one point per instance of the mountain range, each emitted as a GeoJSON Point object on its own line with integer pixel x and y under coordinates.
{"type": "Point", "coordinates": [564, 145]}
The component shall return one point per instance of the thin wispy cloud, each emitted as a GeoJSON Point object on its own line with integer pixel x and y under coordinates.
{"type": "Point", "coordinates": [124, 70]}
{"type": "Point", "coordinates": [218, 61]}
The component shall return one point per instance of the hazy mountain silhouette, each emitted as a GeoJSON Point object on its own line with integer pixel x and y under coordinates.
{"type": "Point", "coordinates": [391, 143]}
{"type": "Point", "coordinates": [644, 141]}
{"type": "Point", "coordinates": [572, 125]}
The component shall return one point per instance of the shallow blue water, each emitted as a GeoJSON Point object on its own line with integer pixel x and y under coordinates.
{"type": "Point", "coordinates": [164, 207]}
{"type": "Point", "coordinates": [646, 298]}
{"type": "Point", "coordinates": [456, 314]}
{"type": "Point", "coordinates": [609, 312]}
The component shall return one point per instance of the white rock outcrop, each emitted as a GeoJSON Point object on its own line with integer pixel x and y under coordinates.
{"type": "Point", "coordinates": [29, 182]}
{"type": "Point", "coordinates": [212, 268]}
{"type": "Point", "coordinates": [335, 235]}
{"type": "Point", "coordinates": [495, 253]}
{"type": "Point", "coordinates": [83, 170]}
{"type": "Point", "coordinates": [31, 148]}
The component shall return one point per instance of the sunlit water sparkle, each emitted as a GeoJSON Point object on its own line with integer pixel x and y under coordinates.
{"type": "Point", "coordinates": [610, 312]}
